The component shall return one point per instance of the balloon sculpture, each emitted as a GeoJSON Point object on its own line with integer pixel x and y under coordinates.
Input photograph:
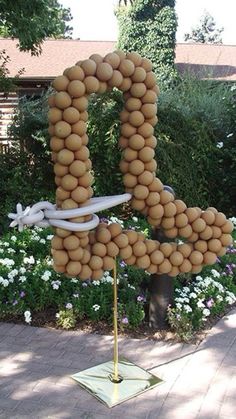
{"type": "Point", "coordinates": [84, 247]}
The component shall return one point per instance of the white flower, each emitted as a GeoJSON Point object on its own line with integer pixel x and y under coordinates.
{"type": "Point", "coordinates": [56, 284]}
{"type": "Point", "coordinates": [200, 304]}
{"type": "Point", "coordinates": [131, 286]}
{"type": "Point", "coordinates": [22, 278]}
{"type": "Point", "coordinates": [10, 250]}
{"type": "Point", "coordinates": [229, 300]}
{"type": "Point", "coordinates": [135, 219]}
{"type": "Point", "coordinates": [215, 273]}
{"type": "Point", "coordinates": [7, 262]}
{"type": "Point", "coordinates": [76, 295]}
{"type": "Point", "coordinates": [1, 250]}
{"type": "Point", "coordinates": [13, 238]}
{"type": "Point", "coordinates": [186, 289]}
{"type": "Point", "coordinates": [96, 283]}
{"type": "Point", "coordinates": [11, 275]}
{"type": "Point", "coordinates": [29, 260]}
{"type": "Point", "coordinates": [22, 270]}
{"type": "Point", "coordinates": [49, 237]}
{"type": "Point", "coordinates": [230, 135]}
{"type": "Point", "coordinates": [187, 308]}
{"type": "Point", "coordinates": [220, 144]}
{"type": "Point", "coordinates": [43, 241]}
{"type": "Point", "coordinates": [57, 315]}
{"type": "Point", "coordinates": [96, 307]}
{"type": "Point", "coordinates": [179, 306]}
{"type": "Point", "coordinates": [198, 278]}
{"type": "Point", "coordinates": [4, 282]}
{"type": "Point", "coordinates": [74, 280]}
{"type": "Point", "coordinates": [27, 315]}
{"type": "Point", "coordinates": [6, 244]}
{"type": "Point", "coordinates": [219, 298]}
{"type": "Point", "coordinates": [46, 276]}
{"type": "Point", "coordinates": [116, 220]}
{"type": "Point", "coordinates": [193, 295]}
{"type": "Point", "coordinates": [107, 279]}
{"type": "Point", "coordinates": [69, 306]}
{"type": "Point", "coordinates": [206, 312]}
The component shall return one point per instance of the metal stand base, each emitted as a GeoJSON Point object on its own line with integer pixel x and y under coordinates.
{"type": "Point", "coordinates": [99, 381]}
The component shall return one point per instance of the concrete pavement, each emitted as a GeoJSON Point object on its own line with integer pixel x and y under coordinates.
{"type": "Point", "coordinates": [36, 364]}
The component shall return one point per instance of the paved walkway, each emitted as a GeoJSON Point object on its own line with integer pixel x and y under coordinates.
{"type": "Point", "coordinates": [36, 364]}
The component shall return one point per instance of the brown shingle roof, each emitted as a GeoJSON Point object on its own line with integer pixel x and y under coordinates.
{"type": "Point", "coordinates": [214, 61]}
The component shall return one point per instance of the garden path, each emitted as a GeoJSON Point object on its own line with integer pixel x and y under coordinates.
{"type": "Point", "coordinates": [36, 364]}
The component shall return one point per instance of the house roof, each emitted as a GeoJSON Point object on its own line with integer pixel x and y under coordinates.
{"type": "Point", "coordinates": [205, 60]}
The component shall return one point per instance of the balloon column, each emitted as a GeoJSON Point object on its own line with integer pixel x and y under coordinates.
{"type": "Point", "coordinates": [86, 253]}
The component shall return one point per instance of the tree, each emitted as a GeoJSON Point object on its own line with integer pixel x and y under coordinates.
{"type": "Point", "coordinates": [149, 27]}
{"type": "Point", "coordinates": [33, 21]}
{"type": "Point", "coordinates": [206, 32]}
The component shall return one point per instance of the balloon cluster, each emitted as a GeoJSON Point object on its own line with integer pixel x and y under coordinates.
{"type": "Point", "coordinates": [87, 254]}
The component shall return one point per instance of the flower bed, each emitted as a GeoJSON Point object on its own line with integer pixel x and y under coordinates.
{"type": "Point", "coordinates": [29, 285]}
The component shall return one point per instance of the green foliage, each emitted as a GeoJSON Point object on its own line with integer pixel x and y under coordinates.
{"type": "Point", "coordinates": [206, 32]}
{"type": "Point", "coordinates": [33, 21]}
{"type": "Point", "coordinates": [196, 142]}
{"type": "Point", "coordinates": [29, 284]}
{"type": "Point", "coordinates": [26, 171]}
{"type": "Point", "coordinates": [103, 131]}
{"type": "Point", "coordinates": [149, 28]}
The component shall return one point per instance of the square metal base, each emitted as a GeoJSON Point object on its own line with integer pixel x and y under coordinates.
{"type": "Point", "coordinates": [97, 382]}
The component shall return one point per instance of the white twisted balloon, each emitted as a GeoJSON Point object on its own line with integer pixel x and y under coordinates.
{"type": "Point", "coordinates": [44, 214]}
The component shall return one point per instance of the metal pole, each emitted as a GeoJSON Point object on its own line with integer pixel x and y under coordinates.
{"type": "Point", "coordinates": [115, 378]}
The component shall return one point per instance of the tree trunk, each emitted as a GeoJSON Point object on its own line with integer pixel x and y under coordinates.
{"type": "Point", "coordinates": [161, 289]}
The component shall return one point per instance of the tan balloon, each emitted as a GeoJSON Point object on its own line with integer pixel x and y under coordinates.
{"type": "Point", "coordinates": [60, 257]}
{"type": "Point", "coordinates": [138, 90]}
{"type": "Point", "coordinates": [135, 58]}
{"type": "Point", "coordinates": [103, 235]}
{"type": "Point", "coordinates": [79, 194]}
{"type": "Point", "coordinates": [69, 182]}
{"type": "Point", "coordinates": [57, 144]}
{"type": "Point", "coordinates": [89, 67]}
{"type": "Point", "coordinates": [112, 249]}
{"type": "Point", "coordinates": [114, 229]}
{"type": "Point", "coordinates": [73, 142]}
{"type": "Point", "coordinates": [60, 83]}
{"type": "Point", "coordinates": [62, 100]}
{"type": "Point", "coordinates": [76, 254]}
{"type": "Point", "coordinates": [71, 115]}
{"type": "Point", "coordinates": [139, 75]}
{"type": "Point", "coordinates": [65, 157]}
{"type": "Point", "coordinates": [75, 73]}
{"type": "Point", "coordinates": [71, 242]}
{"type": "Point", "coordinates": [77, 168]}
{"type": "Point", "coordinates": [113, 59]}
{"type": "Point", "coordinates": [139, 248]}
{"type": "Point", "coordinates": [126, 252]}
{"type": "Point", "coordinates": [121, 241]}
{"type": "Point", "coordinates": [126, 67]}
{"type": "Point", "coordinates": [85, 272]}
{"type": "Point", "coordinates": [62, 129]}
{"type": "Point", "coordinates": [143, 262]}
{"type": "Point", "coordinates": [104, 71]}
